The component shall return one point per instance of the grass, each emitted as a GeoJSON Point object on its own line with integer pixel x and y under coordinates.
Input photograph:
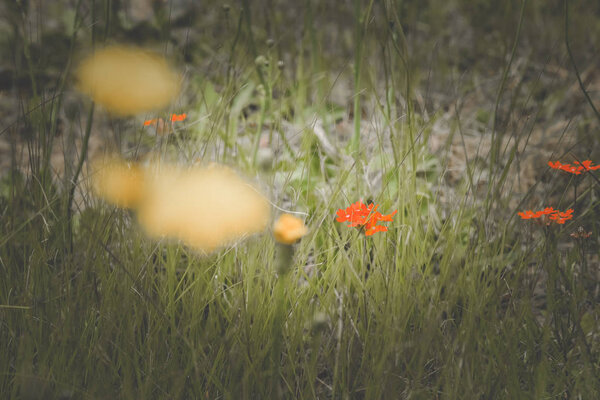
{"type": "Point", "coordinates": [459, 299]}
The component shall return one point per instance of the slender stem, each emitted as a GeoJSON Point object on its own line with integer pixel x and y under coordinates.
{"type": "Point", "coordinates": [587, 354]}
{"type": "Point", "coordinates": [338, 346]}
{"type": "Point", "coordinates": [285, 255]}
{"type": "Point", "coordinates": [238, 33]}
{"type": "Point", "coordinates": [572, 59]}
{"type": "Point", "coordinates": [82, 157]}
{"type": "Point", "coordinates": [495, 148]}
{"type": "Point", "coordinates": [575, 192]}
{"type": "Point", "coordinates": [495, 143]}
{"type": "Point", "coordinates": [261, 121]}
{"type": "Point", "coordinates": [107, 15]}
{"type": "Point", "coordinates": [277, 332]}
{"type": "Point", "coordinates": [61, 86]}
{"type": "Point", "coordinates": [355, 143]}
{"type": "Point", "coordinates": [251, 44]}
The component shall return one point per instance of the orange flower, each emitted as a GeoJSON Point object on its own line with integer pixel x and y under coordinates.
{"type": "Point", "coordinates": [575, 169]}
{"type": "Point", "coordinates": [151, 122]}
{"type": "Point", "coordinates": [180, 117]}
{"type": "Point", "coordinates": [360, 215]}
{"type": "Point", "coordinates": [289, 229]}
{"type": "Point", "coordinates": [553, 215]}
{"type": "Point", "coordinates": [174, 118]}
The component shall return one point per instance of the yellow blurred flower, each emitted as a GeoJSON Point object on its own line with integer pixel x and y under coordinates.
{"type": "Point", "coordinates": [128, 80]}
{"type": "Point", "coordinates": [118, 182]}
{"type": "Point", "coordinates": [289, 229]}
{"type": "Point", "coordinates": [204, 207]}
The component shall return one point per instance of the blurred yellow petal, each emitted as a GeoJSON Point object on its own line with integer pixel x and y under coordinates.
{"type": "Point", "coordinates": [289, 229]}
{"type": "Point", "coordinates": [204, 207]}
{"type": "Point", "coordinates": [128, 80]}
{"type": "Point", "coordinates": [118, 182]}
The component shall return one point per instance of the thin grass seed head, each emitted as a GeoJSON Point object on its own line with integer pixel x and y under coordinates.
{"type": "Point", "coordinates": [128, 80]}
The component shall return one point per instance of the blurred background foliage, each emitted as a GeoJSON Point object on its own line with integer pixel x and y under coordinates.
{"type": "Point", "coordinates": [199, 326]}
{"type": "Point", "coordinates": [460, 35]}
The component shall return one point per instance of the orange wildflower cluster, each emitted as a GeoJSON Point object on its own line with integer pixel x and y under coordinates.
{"type": "Point", "coordinates": [174, 118]}
{"type": "Point", "coordinates": [180, 117]}
{"type": "Point", "coordinates": [367, 217]}
{"type": "Point", "coordinates": [577, 168]}
{"type": "Point", "coordinates": [553, 215]}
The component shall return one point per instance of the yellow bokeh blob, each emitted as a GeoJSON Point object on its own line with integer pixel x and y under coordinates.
{"type": "Point", "coordinates": [118, 182]}
{"type": "Point", "coordinates": [206, 208]}
{"type": "Point", "coordinates": [128, 80]}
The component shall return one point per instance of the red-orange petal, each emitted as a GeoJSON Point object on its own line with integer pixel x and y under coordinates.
{"type": "Point", "coordinates": [555, 165]}
{"type": "Point", "coordinates": [375, 229]}
{"type": "Point", "coordinates": [176, 117]}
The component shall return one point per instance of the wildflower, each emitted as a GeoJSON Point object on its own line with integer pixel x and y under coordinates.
{"type": "Point", "coordinates": [152, 121]}
{"type": "Point", "coordinates": [577, 168]}
{"type": "Point", "coordinates": [550, 214]}
{"type": "Point", "coordinates": [365, 217]}
{"type": "Point", "coordinates": [560, 217]}
{"type": "Point", "coordinates": [289, 229]}
{"type": "Point", "coordinates": [173, 118]}
{"type": "Point", "coordinates": [127, 80]}
{"type": "Point", "coordinates": [180, 117]}
{"type": "Point", "coordinates": [162, 128]}
{"type": "Point", "coordinates": [528, 214]}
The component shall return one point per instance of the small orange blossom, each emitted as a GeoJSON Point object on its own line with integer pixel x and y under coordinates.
{"type": "Point", "coordinates": [173, 118]}
{"type": "Point", "coordinates": [360, 215]}
{"type": "Point", "coordinates": [553, 215]}
{"type": "Point", "coordinates": [289, 229]}
{"type": "Point", "coordinates": [577, 168]}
